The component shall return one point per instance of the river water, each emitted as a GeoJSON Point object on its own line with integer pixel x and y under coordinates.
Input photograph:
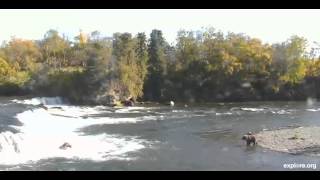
{"type": "Point", "coordinates": [151, 137]}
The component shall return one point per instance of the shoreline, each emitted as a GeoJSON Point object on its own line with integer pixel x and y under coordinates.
{"type": "Point", "coordinates": [292, 140]}
{"type": "Point", "coordinates": [177, 103]}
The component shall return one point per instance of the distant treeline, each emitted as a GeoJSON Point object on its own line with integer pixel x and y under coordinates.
{"type": "Point", "coordinates": [203, 66]}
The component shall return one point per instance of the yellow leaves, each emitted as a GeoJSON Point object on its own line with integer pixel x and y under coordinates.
{"type": "Point", "coordinates": [21, 78]}
{"type": "Point", "coordinates": [231, 64]}
{"type": "Point", "coordinates": [130, 77]}
{"type": "Point", "coordinates": [22, 53]}
{"type": "Point", "coordinates": [10, 75]}
{"type": "Point", "coordinates": [5, 68]}
{"type": "Point", "coordinates": [83, 38]}
{"type": "Point", "coordinates": [22, 47]}
{"type": "Point", "coordinates": [296, 72]}
{"type": "Point", "coordinates": [313, 67]}
{"type": "Point", "coordinates": [275, 88]}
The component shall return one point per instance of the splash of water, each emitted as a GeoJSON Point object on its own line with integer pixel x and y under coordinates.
{"type": "Point", "coordinates": [311, 101]}
{"type": "Point", "coordinates": [43, 132]}
{"type": "Point", "coordinates": [41, 100]}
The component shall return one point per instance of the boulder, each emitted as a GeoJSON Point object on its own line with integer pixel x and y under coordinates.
{"type": "Point", "coordinates": [65, 146]}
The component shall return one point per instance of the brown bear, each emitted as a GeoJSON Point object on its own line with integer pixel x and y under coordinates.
{"type": "Point", "coordinates": [249, 138]}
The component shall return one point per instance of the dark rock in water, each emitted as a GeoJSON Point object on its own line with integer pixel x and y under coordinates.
{"type": "Point", "coordinates": [65, 145]}
{"type": "Point", "coordinates": [42, 106]}
{"type": "Point", "coordinates": [56, 108]}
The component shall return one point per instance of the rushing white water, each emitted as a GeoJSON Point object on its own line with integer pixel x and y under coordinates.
{"type": "Point", "coordinates": [313, 110]}
{"type": "Point", "coordinates": [226, 113]}
{"type": "Point", "coordinates": [41, 100]}
{"type": "Point", "coordinates": [129, 109]}
{"type": "Point", "coordinates": [281, 112]}
{"type": "Point", "coordinates": [43, 131]}
{"type": "Point", "coordinates": [177, 111]}
{"type": "Point", "coordinates": [252, 109]}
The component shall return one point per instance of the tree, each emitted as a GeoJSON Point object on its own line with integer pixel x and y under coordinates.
{"type": "Point", "coordinates": [23, 54]}
{"type": "Point", "coordinates": [289, 56]}
{"type": "Point", "coordinates": [82, 38]}
{"type": "Point", "coordinates": [54, 49]}
{"type": "Point", "coordinates": [5, 71]}
{"type": "Point", "coordinates": [129, 54]}
{"type": "Point", "coordinates": [187, 49]}
{"type": "Point", "coordinates": [157, 66]}
{"type": "Point", "coordinates": [141, 51]}
{"type": "Point", "coordinates": [203, 66]}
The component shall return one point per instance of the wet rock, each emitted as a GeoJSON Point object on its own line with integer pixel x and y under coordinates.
{"type": "Point", "coordinates": [42, 106]}
{"type": "Point", "coordinates": [65, 146]}
{"type": "Point", "coordinates": [57, 108]}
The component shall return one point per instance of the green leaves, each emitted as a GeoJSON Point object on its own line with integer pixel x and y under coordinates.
{"type": "Point", "coordinates": [157, 64]}
{"type": "Point", "coordinates": [296, 72]}
{"type": "Point", "coordinates": [131, 57]}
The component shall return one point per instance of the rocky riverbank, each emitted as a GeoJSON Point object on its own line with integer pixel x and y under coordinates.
{"type": "Point", "coordinates": [297, 140]}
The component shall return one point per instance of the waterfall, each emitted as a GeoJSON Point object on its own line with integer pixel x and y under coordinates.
{"type": "Point", "coordinates": [51, 101]}
{"type": "Point", "coordinates": [45, 130]}
{"type": "Point", "coordinates": [9, 142]}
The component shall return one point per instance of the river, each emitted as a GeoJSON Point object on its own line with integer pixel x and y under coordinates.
{"type": "Point", "coordinates": [150, 137]}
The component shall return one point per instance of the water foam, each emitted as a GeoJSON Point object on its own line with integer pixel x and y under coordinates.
{"type": "Point", "coordinates": [130, 109]}
{"type": "Point", "coordinates": [41, 100]}
{"type": "Point", "coordinates": [282, 111]}
{"type": "Point", "coordinates": [225, 113]}
{"type": "Point", "coordinates": [313, 110]}
{"type": "Point", "coordinates": [43, 132]}
{"type": "Point", "coordinates": [253, 109]}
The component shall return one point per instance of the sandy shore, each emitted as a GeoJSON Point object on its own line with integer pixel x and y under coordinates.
{"type": "Point", "coordinates": [300, 140]}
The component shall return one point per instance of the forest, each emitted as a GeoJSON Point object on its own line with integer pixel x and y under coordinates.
{"type": "Point", "coordinates": [202, 66]}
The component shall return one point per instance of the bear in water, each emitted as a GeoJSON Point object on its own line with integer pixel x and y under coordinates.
{"type": "Point", "coordinates": [129, 102]}
{"type": "Point", "coordinates": [65, 146]}
{"type": "Point", "coordinates": [249, 138]}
